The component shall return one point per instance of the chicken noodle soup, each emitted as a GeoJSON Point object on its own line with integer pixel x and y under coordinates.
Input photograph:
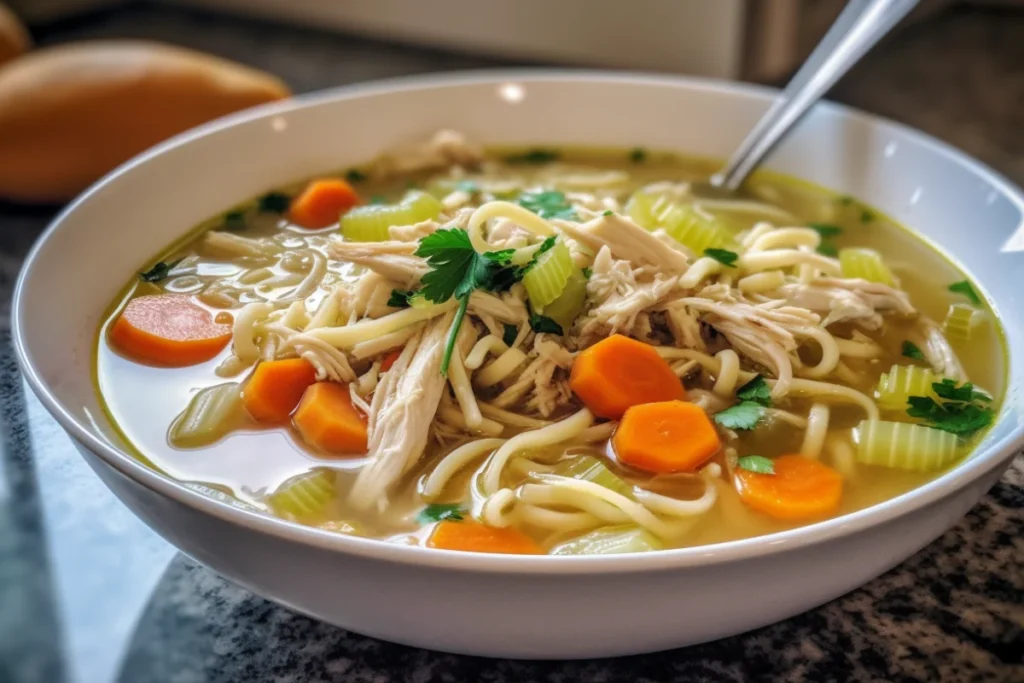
{"type": "Point", "coordinates": [550, 351]}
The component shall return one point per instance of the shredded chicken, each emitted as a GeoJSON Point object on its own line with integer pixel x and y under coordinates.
{"type": "Point", "coordinates": [629, 242]}
{"type": "Point", "coordinates": [414, 232]}
{"type": "Point", "coordinates": [547, 388]}
{"type": "Point", "coordinates": [852, 300]}
{"type": "Point", "coordinates": [446, 148]}
{"type": "Point", "coordinates": [937, 350]}
{"type": "Point", "coordinates": [394, 260]}
{"type": "Point", "coordinates": [402, 410]}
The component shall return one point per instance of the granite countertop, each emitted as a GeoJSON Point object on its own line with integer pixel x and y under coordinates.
{"type": "Point", "coordinates": [88, 594]}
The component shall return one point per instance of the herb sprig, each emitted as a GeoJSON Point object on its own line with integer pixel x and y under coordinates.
{"type": "Point", "coordinates": [724, 256]}
{"type": "Point", "coordinates": [159, 271]}
{"type": "Point", "coordinates": [962, 410]}
{"type": "Point", "coordinates": [547, 204]}
{"type": "Point", "coordinates": [964, 287]}
{"type": "Point", "coordinates": [438, 512]}
{"type": "Point", "coordinates": [756, 463]}
{"type": "Point", "coordinates": [912, 351]}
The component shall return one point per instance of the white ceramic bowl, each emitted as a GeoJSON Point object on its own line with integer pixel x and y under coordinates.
{"type": "Point", "coordinates": [515, 606]}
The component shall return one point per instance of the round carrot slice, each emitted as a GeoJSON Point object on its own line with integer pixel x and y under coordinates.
{"type": "Point", "coordinates": [672, 436]}
{"type": "Point", "coordinates": [801, 489]}
{"type": "Point", "coordinates": [168, 329]}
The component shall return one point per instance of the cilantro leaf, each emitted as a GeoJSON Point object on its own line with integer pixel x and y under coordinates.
{"type": "Point", "coordinates": [828, 249]}
{"type": "Point", "coordinates": [866, 216]}
{"type": "Point", "coordinates": [743, 415]}
{"type": "Point", "coordinates": [948, 390]}
{"type": "Point", "coordinates": [587, 272]}
{"type": "Point", "coordinates": [964, 287]}
{"type": "Point", "coordinates": [234, 220]}
{"type": "Point", "coordinates": [756, 463]}
{"type": "Point", "coordinates": [510, 334]}
{"type": "Point", "coordinates": [547, 204]}
{"type": "Point", "coordinates": [723, 256]}
{"type": "Point", "coordinates": [400, 298]}
{"type": "Point", "coordinates": [638, 155]}
{"type": "Point", "coordinates": [756, 390]}
{"type": "Point", "coordinates": [540, 323]}
{"type": "Point", "coordinates": [962, 419]}
{"type": "Point", "coordinates": [826, 230]}
{"type": "Point", "coordinates": [534, 156]}
{"type": "Point", "coordinates": [438, 512]}
{"type": "Point", "coordinates": [354, 175]}
{"type": "Point", "coordinates": [609, 212]}
{"type": "Point", "coordinates": [845, 200]}
{"type": "Point", "coordinates": [159, 271]}
{"type": "Point", "coordinates": [912, 350]}
{"type": "Point", "coordinates": [274, 202]}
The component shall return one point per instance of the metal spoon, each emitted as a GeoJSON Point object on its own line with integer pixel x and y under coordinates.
{"type": "Point", "coordinates": [860, 25]}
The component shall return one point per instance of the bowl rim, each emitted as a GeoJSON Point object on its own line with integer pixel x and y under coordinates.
{"type": "Point", "coordinates": [961, 476]}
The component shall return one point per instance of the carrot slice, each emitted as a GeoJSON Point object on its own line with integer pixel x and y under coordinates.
{"type": "Point", "coordinates": [389, 360]}
{"type": "Point", "coordinates": [169, 329]}
{"type": "Point", "coordinates": [672, 436]}
{"type": "Point", "coordinates": [328, 421]}
{"type": "Point", "coordinates": [322, 203]}
{"type": "Point", "coordinates": [475, 537]}
{"type": "Point", "coordinates": [800, 489]}
{"type": "Point", "coordinates": [618, 372]}
{"type": "Point", "coordinates": [276, 387]}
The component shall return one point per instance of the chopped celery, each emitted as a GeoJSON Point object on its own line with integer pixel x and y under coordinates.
{"type": "Point", "coordinates": [569, 303]}
{"type": "Point", "coordinates": [212, 413]}
{"type": "Point", "coordinates": [613, 540]}
{"type": "Point", "coordinates": [370, 223]}
{"type": "Point", "coordinates": [683, 222]}
{"type": "Point", "coordinates": [902, 382]}
{"type": "Point", "coordinates": [961, 319]}
{"type": "Point", "coordinates": [304, 497]}
{"type": "Point", "coordinates": [904, 445]}
{"type": "Point", "coordinates": [547, 277]}
{"type": "Point", "coordinates": [589, 468]}
{"type": "Point", "coordinates": [866, 264]}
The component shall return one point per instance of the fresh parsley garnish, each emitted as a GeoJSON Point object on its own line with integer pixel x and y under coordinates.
{"type": "Point", "coordinates": [159, 271]}
{"type": "Point", "coordinates": [743, 415]}
{"type": "Point", "coordinates": [866, 216]}
{"type": "Point", "coordinates": [400, 298]}
{"type": "Point", "coordinates": [756, 390]}
{"type": "Point", "coordinates": [467, 186]}
{"type": "Point", "coordinates": [912, 350]}
{"type": "Point", "coordinates": [274, 202]}
{"type": "Point", "coordinates": [962, 410]}
{"type": "Point", "coordinates": [547, 204]}
{"type": "Point", "coordinates": [828, 249]}
{"type": "Point", "coordinates": [510, 334]}
{"type": "Point", "coordinates": [638, 155]}
{"type": "Point", "coordinates": [457, 269]}
{"type": "Point", "coordinates": [723, 256]}
{"type": "Point", "coordinates": [587, 272]}
{"type": "Point", "coordinates": [438, 512]}
{"type": "Point", "coordinates": [964, 287]}
{"type": "Point", "coordinates": [609, 212]}
{"type": "Point", "coordinates": [354, 175]}
{"type": "Point", "coordinates": [845, 200]}
{"type": "Point", "coordinates": [534, 156]}
{"type": "Point", "coordinates": [234, 220]}
{"type": "Point", "coordinates": [378, 199]}
{"type": "Point", "coordinates": [826, 230]}
{"type": "Point", "coordinates": [541, 323]}
{"type": "Point", "coordinates": [756, 463]}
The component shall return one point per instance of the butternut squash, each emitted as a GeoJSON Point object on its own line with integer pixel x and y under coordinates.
{"type": "Point", "coordinates": [71, 113]}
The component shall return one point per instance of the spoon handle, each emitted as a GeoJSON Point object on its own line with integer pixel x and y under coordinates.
{"type": "Point", "coordinates": [857, 28]}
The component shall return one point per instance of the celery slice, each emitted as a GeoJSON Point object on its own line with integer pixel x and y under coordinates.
{"type": "Point", "coordinates": [683, 222]}
{"type": "Point", "coordinates": [370, 223]}
{"type": "Point", "coordinates": [613, 540]}
{"type": "Point", "coordinates": [569, 304]}
{"type": "Point", "coordinates": [904, 445]}
{"type": "Point", "coordinates": [304, 497]}
{"type": "Point", "coordinates": [866, 264]}
{"type": "Point", "coordinates": [961, 319]}
{"type": "Point", "coordinates": [546, 279]}
{"type": "Point", "coordinates": [589, 468]}
{"type": "Point", "coordinates": [211, 414]}
{"type": "Point", "coordinates": [902, 382]}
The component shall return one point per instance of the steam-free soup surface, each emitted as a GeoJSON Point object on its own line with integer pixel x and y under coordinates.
{"type": "Point", "coordinates": [550, 350]}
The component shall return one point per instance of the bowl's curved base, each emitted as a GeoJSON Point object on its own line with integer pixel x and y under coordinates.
{"type": "Point", "coordinates": [531, 616]}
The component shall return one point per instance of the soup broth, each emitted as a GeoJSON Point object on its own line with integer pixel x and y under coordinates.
{"type": "Point", "coordinates": [808, 329]}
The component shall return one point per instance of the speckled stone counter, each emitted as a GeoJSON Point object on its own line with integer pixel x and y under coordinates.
{"type": "Point", "coordinates": [88, 594]}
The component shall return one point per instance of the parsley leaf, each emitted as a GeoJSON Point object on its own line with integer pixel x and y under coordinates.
{"type": "Point", "coordinates": [467, 186]}
{"type": "Point", "coordinates": [866, 216]}
{"type": "Point", "coordinates": [756, 390]}
{"type": "Point", "coordinates": [378, 199]}
{"type": "Point", "coordinates": [609, 212]}
{"type": "Point", "coordinates": [845, 200]}
{"type": "Point", "coordinates": [534, 156]}
{"type": "Point", "coordinates": [274, 202]}
{"type": "Point", "coordinates": [547, 204]}
{"type": "Point", "coordinates": [438, 512]}
{"type": "Point", "coordinates": [912, 350]}
{"type": "Point", "coordinates": [510, 334]}
{"type": "Point", "coordinates": [540, 323]}
{"type": "Point", "coordinates": [743, 415]}
{"type": "Point", "coordinates": [638, 155]}
{"type": "Point", "coordinates": [828, 249]}
{"type": "Point", "coordinates": [234, 220]}
{"type": "Point", "coordinates": [962, 419]}
{"type": "Point", "coordinates": [587, 272]}
{"type": "Point", "coordinates": [354, 175]}
{"type": "Point", "coordinates": [723, 256]}
{"type": "Point", "coordinates": [400, 298]}
{"type": "Point", "coordinates": [948, 390]}
{"type": "Point", "coordinates": [826, 230]}
{"type": "Point", "coordinates": [756, 463]}
{"type": "Point", "coordinates": [159, 271]}
{"type": "Point", "coordinates": [964, 287]}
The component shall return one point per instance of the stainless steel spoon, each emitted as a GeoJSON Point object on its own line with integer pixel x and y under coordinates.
{"type": "Point", "coordinates": [860, 25]}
